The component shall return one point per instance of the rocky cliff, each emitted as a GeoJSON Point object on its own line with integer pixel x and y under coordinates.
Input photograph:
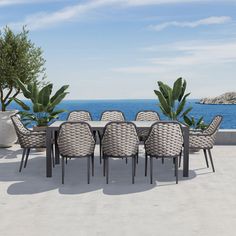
{"type": "Point", "coordinates": [226, 98]}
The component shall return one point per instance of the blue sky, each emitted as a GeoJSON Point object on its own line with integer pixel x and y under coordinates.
{"type": "Point", "coordinates": [121, 48]}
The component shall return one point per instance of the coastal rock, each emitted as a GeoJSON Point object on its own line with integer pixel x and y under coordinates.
{"type": "Point", "coordinates": [226, 98]}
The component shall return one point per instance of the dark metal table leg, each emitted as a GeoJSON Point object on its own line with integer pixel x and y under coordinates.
{"type": "Point", "coordinates": [48, 153]}
{"type": "Point", "coordinates": [57, 158]}
{"type": "Point", "coordinates": [186, 153]}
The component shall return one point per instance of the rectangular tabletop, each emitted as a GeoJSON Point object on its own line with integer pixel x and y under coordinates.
{"type": "Point", "coordinates": [99, 126]}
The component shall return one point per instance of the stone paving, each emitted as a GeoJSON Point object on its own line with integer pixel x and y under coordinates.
{"type": "Point", "coordinates": [33, 205]}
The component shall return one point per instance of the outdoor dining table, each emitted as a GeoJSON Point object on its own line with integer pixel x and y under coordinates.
{"type": "Point", "coordinates": [52, 131]}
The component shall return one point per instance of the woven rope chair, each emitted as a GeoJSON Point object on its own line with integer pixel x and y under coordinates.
{"type": "Point", "coordinates": [205, 140]}
{"type": "Point", "coordinates": [28, 139]}
{"type": "Point", "coordinates": [76, 140]}
{"type": "Point", "coordinates": [120, 140]}
{"type": "Point", "coordinates": [146, 116]}
{"type": "Point", "coordinates": [112, 115]}
{"type": "Point", "coordinates": [165, 140]}
{"type": "Point", "coordinates": [109, 115]}
{"type": "Point", "coordinates": [79, 116]}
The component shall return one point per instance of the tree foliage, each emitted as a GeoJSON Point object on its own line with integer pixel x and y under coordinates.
{"type": "Point", "coordinates": [20, 60]}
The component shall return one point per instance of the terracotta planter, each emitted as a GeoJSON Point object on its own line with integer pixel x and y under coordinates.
{"type": "Point", "coordinates": [40, 128]}
{"type": "Point", "coordinates": [7, 131]}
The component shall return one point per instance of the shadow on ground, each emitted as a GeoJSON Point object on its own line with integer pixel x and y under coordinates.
{"type": "Point", "coordinates": [32, 179]}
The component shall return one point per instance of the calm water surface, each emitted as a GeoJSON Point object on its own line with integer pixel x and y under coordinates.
{"type": "Point", "coordinates": [131, 107]}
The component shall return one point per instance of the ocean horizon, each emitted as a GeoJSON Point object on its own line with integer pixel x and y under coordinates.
{"type": "Point", "coordinates": [130, 107]}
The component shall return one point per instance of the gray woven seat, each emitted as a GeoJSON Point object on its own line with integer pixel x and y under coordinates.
{"type": "Point", "coordinates": [146, 116]}
{"type": "Point", "coordinates": [79, 116]}
{"type": "Point", "coordinates": [165, 140]}
{"type": "Point", "coordinates": [76, 140]}
{"type": "Point", "coordinates": [110, 115]}
{"type": "Point", "coordinates": [205, 140]}
{"type": "Point", "coordinates": [27, 139]}
{"type": "Point", "coordinates": [120, 140]}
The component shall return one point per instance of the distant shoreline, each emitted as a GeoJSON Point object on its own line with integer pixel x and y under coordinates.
{"type": "Point", "coordinates": [225, 104]}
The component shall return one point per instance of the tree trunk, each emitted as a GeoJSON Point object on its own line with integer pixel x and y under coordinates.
{"type": "Point", "coordinates": [3, 107]}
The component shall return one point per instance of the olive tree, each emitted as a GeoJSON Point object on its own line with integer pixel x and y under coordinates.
{"type": "Point", "coordinates": [20, 60]}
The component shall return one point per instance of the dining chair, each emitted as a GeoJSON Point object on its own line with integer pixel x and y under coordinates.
{"type": "Point", "coordinates": [79, 115]}
{"type": "Point", "coordinates": [147, 115]}
{"type": "Point", "coordinates": [109, 115]}
{"type": "Point", "coordinates": [120, 140]}
{"type": "Point", "coordinates": [28, 139]}
{"type": "Point", "coordinates": [112, 115]}
{"type": "Point", "coordinates": [205, 140]}
{"type": "Point", "coordinates": [165, 140]}
{"type": "Point", "coordinates": [76, 140]}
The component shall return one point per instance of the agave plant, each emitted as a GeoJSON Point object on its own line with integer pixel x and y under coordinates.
{"type": "Point", "coordinates": [43, 103]}
{"type": "Point", "coordinates": [195, 124]}
{"type": "Point", "coordinates": [172, 101]}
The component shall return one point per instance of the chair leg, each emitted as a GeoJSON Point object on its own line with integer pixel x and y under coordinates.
{"type": "Point", "coordinates": [205, 154]}
{"type": "Point", "coordinates": [88, 169]}
{"type": "Point", "coordinates": [104, 166]}
{"type": "Point", "coordinates": [135, 164]}
{"type": "Point", "coordinates": [151, 169]}
{"type": "Point", "coordinates": [176, 170]}
{"type": "Point", "coordinates": [22, 159]}
{"type": "Point", "coordinates": [146, 160]}
{"type": "Point", "coordinates": [180, 157]}
{"type": "Point", "coordinates": [92, 164]}
{"type": "Point", "coordinates": [133, 168]}
{"type": "Point", "coordinates": [126, 160]}
{"type": "Point", "coordinates": [100, 147]}
{"type": "Point", "coordinates": [27, 155]}
{"type": "Point", "coordinates": [162, 160]}
{"type": "Point", "coordinates": [63, 169]}
{"type": "Point", "coordinates": [107, 170]}
{"type": "Point", "coordinates": [66, 160]}
{"type": "Point", "coordinates": [53, 156]}
{"type": "Point", "coordinates": [212, 165]}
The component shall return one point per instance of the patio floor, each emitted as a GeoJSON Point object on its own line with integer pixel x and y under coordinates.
{"type": "Point", "coordinates": [203, 204]}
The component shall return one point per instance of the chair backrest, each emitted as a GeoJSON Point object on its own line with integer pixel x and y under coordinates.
{"type": "Point", "coordinates": [112, 116]}
{"type": "Point", "coordinates": [214, 125]}
{"type": "Point", "coordinates": [75, 139]}
{"type": "Point", "coordinates": [79, 116]}
{"type": "Point", "coordinates": [120, 139]}
{"type": "Point", "coordinates": [19, 126]}
{"type": "Point", "coordinates": [165, 139]}
{"type": "Point", "coordinates": [147, 116]}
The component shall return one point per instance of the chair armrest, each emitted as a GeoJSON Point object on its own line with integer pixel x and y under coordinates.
{"type": "Point", "coordinates": [35, 133]}
{"type": "Point", "coordinates": [201, 134]}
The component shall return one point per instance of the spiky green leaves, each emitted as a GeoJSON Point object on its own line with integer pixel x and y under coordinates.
{"type": "Point", "coordinates": [43, 103]}
{"type": "Point", "coordinates": [195, 124]}
{"type": "Point", "coordinates": [172, 101]}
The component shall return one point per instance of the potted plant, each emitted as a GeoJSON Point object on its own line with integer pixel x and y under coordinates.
{"type": "Point", "coordinates": [172, 101]}
{"type": "Point", "coordinates": [20, 60]}
{"type": "Point", "coordinates": [43, 108]}
{"type": "Point", "coordinates": [196, 125]}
